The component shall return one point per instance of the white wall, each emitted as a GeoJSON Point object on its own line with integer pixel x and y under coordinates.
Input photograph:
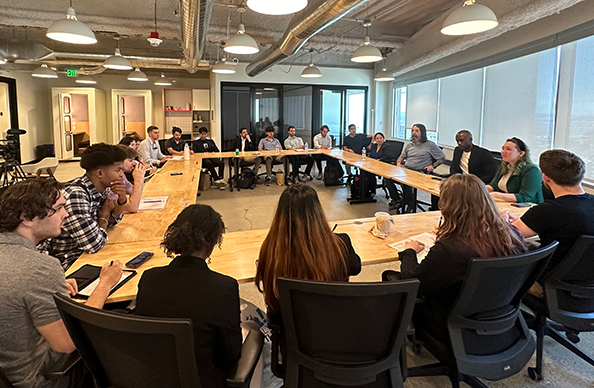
{"type": "Point", "coordinates": [281, 74]}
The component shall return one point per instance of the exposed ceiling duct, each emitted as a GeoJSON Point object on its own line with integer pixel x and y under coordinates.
{"type": "Point", "coordinates": [305, 25]}
{"type": "Point", "coordinates": [195, 15]}
{"type": "Point", "coordinates": [81, 59]}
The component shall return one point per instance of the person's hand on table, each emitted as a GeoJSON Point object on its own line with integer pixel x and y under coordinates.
{"type": "Point", "coordinates": [165, 158]}
{"type": "Point", "coordinates": [191, 152]}
{"type": "Point", "coordinates": [509, 217]}
{"type": "Point", "coordinates": [111, 273]}
{"type": "Point", "coordinates": [414, 244]}
{"type": "Point", "coordinates": [429, 168]}
{"type": "Point", "coordinates": [398, 164]}
{"type": "Point", "coordinates": [495, 194]}
{"type": "Point", "coordinates": [138, 173]}
{"type": "Point", "coordinates": [324, 147]}
{"type": "Point", "coordinates": [72, 286]}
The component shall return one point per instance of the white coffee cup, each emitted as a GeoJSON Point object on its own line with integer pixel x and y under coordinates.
{"type": "Point", "coordinates": [383, 222]}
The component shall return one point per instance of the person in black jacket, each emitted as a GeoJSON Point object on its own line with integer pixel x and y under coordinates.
{"type": "Point", "coordinates": [244, 143]}
{"type": "Point", "coordinates": [471, 227]}
{"type": "Point", "coordinates": [203, 144]}
{"type": "Point", "coordinates": [187, 288]}
{"type": "Point", "coordinates": [384, 152]}
{"type": "Point", "coordinates": [472, 159]}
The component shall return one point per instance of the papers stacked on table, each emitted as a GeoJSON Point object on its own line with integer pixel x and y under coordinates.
{"type": "Point", "coordinates": [428, 239]}
{"type": "Point", "coordinates": [152, 203]}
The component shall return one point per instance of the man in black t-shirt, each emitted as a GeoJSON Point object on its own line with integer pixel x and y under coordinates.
{"type": "Point", "coordinates": [203, 144]}
{"type": "Point", "coordinates": [565, 218]}
{"type": "Point", "coordinates": [175, 145]}
{"type": "Point", "coordinates": [355, 142]}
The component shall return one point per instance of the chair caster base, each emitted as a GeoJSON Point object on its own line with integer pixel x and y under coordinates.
{"type": "Point", "coordinates": [534, 375]}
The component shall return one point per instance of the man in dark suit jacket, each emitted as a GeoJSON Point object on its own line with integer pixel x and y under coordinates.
{"type": "Point", "coordinates": [472, 159]}
{"type": "Point", "coordinates": [244, 143]}
{"type": "Point", "coordinates": [203, 144]}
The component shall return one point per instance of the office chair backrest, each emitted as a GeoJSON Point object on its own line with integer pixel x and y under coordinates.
{"type": "Point", "coordinates": [128, 351]}
{"type": "Point", "coordinates": [395, 149]}
{"type": "Point", "coordinates": [162, 146]}
{"type": "Point", "coordinates": [569, 288]}
{"type": "Point", "coordinates": [4, 382]}
{"type": "Point", "coordinates": [489, 336]}
{"type": "Point", "coordinates": [344, 333]}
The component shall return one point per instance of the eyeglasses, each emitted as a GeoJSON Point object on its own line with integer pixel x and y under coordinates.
{"type": "Point", "coordinates": [51, 211]}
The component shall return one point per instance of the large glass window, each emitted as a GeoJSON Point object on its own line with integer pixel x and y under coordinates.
{"type": "Point", "coordinates": [520, 98]}
{"type": "Point", "coordinates": [460, 106]}
{"type": "Point", "coordinates": [297, 104]}
{"type": "Point", "coordinates": [399, 128]}
{"type": "Point", "coordinates": [421, 107]}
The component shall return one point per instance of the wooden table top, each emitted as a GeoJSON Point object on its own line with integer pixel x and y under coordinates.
{"type": "Point", "coordinates": [163, 183]}
{"type": "Point", "coordinates": [239, 250]}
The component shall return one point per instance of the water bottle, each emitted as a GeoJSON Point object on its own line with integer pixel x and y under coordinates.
{"type": "Point", "coordinates": [236, 151]}
{"type": "Point", "coordinates": [306, 147]}
{"type": "Point", "coordinates": [363, 152]}
{"type": "Point", "coordinates": [186, 152]}
{"type": "Point", "coordinates": [277, 150]}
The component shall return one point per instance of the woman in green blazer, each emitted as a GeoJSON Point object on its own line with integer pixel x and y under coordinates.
{"type": "Point", "coordinates": [517, 179]}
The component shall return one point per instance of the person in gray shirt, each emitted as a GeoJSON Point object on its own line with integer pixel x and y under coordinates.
{"type": "Point", "coordinates": [270, 143]}
{"type": "Point", "coordinates": [150, 150]}
{"type": "Point", "coordinates": [32, 334]}
{"type": "Point", "coordinates": [296, 143]}
{"type": "Point", "coordinates": [419, 155]}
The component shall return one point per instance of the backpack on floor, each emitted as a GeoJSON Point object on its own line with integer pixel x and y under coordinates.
{"type": "Point", "coordinates": [247, 179]}
{"type": "Point", "coordinates": [331, 175]}
{"type": "Point", "coordinates": [355, 188]}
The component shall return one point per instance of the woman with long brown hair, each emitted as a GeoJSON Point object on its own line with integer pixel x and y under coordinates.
{"type": "Point", "coordinates": [300, 244]}
{"type": "Point", "coordinates": [471, 227]}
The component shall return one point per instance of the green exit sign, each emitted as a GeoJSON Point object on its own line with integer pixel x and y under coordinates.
{"type": "Point", "coordinates": [71, 73]}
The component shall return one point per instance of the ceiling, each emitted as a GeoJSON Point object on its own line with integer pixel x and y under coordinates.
{"type": "Point", "coordinates": [23, 25]}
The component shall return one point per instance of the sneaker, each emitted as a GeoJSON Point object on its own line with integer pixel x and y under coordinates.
{"type": "Point", "coordinates": [320, 175]}
{"type": "Point", "coordinates": [393, 205]}
{"type": "Point", "coordinates": [267, 181]}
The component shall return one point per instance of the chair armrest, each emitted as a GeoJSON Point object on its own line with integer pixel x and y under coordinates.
{"type": "Point", "coordinates": [241, 373]}
{"type": "Point", "coordinates": [64, 366]}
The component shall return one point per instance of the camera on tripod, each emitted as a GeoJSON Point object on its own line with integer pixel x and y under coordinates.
{"type": "Point", "coordinates": [10, 169]}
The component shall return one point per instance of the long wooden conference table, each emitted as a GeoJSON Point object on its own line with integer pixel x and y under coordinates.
{"type": "Point", "coordinates": [143, 231]}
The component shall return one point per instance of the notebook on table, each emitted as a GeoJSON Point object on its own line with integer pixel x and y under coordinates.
{"type": "Point", "coordinates": [87, 279]}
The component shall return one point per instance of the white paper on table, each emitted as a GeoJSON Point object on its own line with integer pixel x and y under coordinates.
{"type": "Point", "coordinates": [88, 290]}
{"type": "Point", "coordinates": [428, 239]}
{"type": "Point", "coordinates": [152, 203]}
{"type": "Point", "coordinates": [178, 157]}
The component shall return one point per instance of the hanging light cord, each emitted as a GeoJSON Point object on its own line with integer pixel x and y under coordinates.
{"type": "Point", "coordinates": [155, 15]}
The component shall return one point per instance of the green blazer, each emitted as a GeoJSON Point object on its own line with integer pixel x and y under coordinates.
{"type": "Point", "coordinates": [525, 185]}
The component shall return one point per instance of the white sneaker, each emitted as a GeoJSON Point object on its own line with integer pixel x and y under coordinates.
{"type": "Point", "coordinates": [319, 177]}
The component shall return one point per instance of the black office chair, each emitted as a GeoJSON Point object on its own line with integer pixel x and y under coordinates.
{"type": "Point", "coordinates": [568, 303]}
{"type": "Point", "coordinates": [345, 334]}
{"type": "Point", "coordinates": [131, 351]}
{"type": "Point", "coordinates": [162, 146]}
{"type": "Point", "coordinates": [489, 338]}
{"type": "Point", "coordinates": [64, 367]}
{"type": "Point", "coordinates": [396, 147]}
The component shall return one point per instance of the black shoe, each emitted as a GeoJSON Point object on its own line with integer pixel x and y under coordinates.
{"type": "Point", "coordinates": [393, 205]}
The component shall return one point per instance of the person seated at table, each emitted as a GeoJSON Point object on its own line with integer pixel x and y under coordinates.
{"type": "Point", "coordinates": [563, 219]}
{"type": "Point", "coordinates": [134, 143]}
{"type": "Point", "coordinates": [150, 150]}
{"type": "Point", "coordinates": [300, 244]}
{"type": "Point", "coordinates": [355, 142]}
{"type": "Point", "coordinates": [137, 170]}
{"type": "Point", "coordinates": [204, 145]}
{"type": "Point", "coordinates": [270, 143]}
{"type": "Point", "coordinates": [32, 333]}
{"type": "Point", "coordinates": [175, 145]}
{"type": "Point", "coordinates": [472, 159]}
{"type": "Point", "coordinates": [293, 142]}
{"type": "Point", "coordinates": [471, 227]}
{"type": "Point", "coordinates": [94, 202]}
{"type": "Point", "coordinates": [324, 141]}
{"type": "Point", "coordinates": [517, 179]}
{"type": "Point", "coordinates": [422, 155]}
{"type": "Point", "coordinates": [187, 288]}
{"type": "Point", "coordinates": [382, 151]}
{"type": "Point", "coordinates": [244, 143]}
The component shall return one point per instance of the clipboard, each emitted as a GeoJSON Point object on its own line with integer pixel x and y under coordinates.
{"type": "Point", "coordinates": [88, 274]}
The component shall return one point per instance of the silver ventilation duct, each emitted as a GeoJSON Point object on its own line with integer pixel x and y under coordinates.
{"type": "Point", "coordinates": [195, 15]}
{"type": "Point", "coordinates": [98, 59]}
{"type": "Point", "coordinates": [305, 25]}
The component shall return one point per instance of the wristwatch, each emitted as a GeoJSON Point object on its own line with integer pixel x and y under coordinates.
{"type": "Point", "coordinates": [121, 204]}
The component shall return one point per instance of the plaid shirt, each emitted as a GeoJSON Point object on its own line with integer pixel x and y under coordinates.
{"type": "Point", "coordinates": [81, 232]}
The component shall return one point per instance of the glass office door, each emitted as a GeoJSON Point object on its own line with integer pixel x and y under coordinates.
{"type": "Point", "coordinates": [266, 111]}
{"type": "Point", "coordinates": [338, 108]}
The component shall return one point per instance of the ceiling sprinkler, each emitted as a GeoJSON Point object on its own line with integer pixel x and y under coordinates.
{"type": "Point", "coordinates": [154, 39]}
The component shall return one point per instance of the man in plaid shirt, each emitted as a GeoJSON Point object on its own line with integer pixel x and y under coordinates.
{"type": "Point", "coordinates": [94, 202]}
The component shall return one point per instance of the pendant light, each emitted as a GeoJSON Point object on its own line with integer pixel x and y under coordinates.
{"type": "Point", "coordinates": [85, 79]}
{"type": "Point", "coordinates": [366, 53]}
{"type": "Point", "coordinates": [224, 67]}
{"type": "Point", "coordinates": [117, 61]}
{"type": "Point", "coordinates": [71, 30]}
{"type": "Point", "coordinates": [2, 60]}
{"type": "Point", "coordinates": [44, 71]}
{"type": "Point", "coordinates": [470, 19]}
{"type": "Point", "coordinates": [276, 7]}
{"type": "Point", "coordinates": [137, 75]}
{"type": "Point", "coordinates": [311, 71]}
{"type": "Point", "coordinates": [154, 39]}
{"type": "Point", "coordinates": [241, 43]}
{"type": "Point", "coordinates": [163, 81]}
{"type": "Point", "coordinates": [383, 75]}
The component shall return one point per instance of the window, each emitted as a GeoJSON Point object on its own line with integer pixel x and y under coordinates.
{"type": "Point", "coordinates": [421, 107]}
{"type": "Point", "coordinates": [460, 106]}
{"type": "Point", "coordinates": [399, 128]}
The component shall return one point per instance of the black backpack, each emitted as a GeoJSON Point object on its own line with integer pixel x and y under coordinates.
{"type": "Point", "coordinates": [247, 179]}
{"type": "Point", "coordinates": [331, 175]}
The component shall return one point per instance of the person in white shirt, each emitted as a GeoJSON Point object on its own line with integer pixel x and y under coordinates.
{"type": "Point", "coordinates": [296, 143]}
{"type": "Point", "coordinates": [324, 141]}
{"type": "Point", "coordinates": [150, 151]}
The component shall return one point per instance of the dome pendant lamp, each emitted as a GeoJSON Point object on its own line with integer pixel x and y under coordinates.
{"type": "Point", "coordinates": [241, 43]}
{"type": "Point", "coordinates": [44, 71]}
{"type": "Point", "coordinates": [137, 75]}
{"type": "Point", "coordinates": [71, 30]}
{"type": "Point", "coordinates": [470, 19]}
{"type": "Point", "coordinates": [383, 75]}
{"type": "Point", "coordinates": [311, 71]}
{"type": "Point", "coordinates": [276, 7]}
{"type": "Point", "coordinates": [163, 81]}
{"type": "Point", "coordinates": [366, 53]}
{"type": "Point", "coordinates": [117, 61]}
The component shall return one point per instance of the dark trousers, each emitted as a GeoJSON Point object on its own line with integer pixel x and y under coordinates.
{"type": "Point", "coordinates": [410, 199]}
{"type": "Point", "coordinates": [298, 160]}
{"type": "Point", "coordinates": [329, 160]}
{"type": "Point", "coordinates": [210, 165]}
{"type": "Point", "coordinates": [391, 186]}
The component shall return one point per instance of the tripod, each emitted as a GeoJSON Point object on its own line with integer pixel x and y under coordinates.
{"type": "Point", "coordinates": [11, 173]}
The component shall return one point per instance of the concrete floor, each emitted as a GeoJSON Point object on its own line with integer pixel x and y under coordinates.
{"type": "Point", "coordinates": [254, 209]}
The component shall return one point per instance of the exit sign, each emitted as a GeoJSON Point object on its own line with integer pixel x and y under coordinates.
{"type": "Point", "coordinates": [71, 73]}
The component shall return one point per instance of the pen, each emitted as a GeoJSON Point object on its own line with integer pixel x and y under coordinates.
{"type": "Point", "coordinates": [151, 201]}
{"type": "Point", "coordinates": [333, 229]}
{"type": "Point", "coordinates": [111, 263]}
